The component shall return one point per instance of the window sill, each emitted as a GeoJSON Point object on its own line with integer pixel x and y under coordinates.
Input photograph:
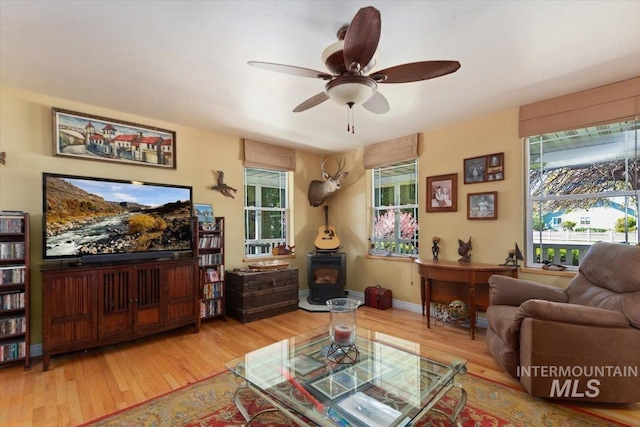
{"type": "Point", "coordinates": [392, 258]}
{"type": "Point", "coordinates": [564, 273]}
{"type": "Point", "coordinates": [266, 257]}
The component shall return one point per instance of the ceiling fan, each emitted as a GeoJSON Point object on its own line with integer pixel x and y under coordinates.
{"type": "Point", "coordinates": [350, 59]}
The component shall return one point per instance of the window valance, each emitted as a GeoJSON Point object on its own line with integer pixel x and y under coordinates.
{"type": "Point", "coordinates": [390, 152]}
{"type": "Point", "coordinates": [262, 155]}
{"type": "Point", "coordinates": [612, 103]}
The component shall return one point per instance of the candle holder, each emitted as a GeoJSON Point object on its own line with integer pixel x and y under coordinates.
{"type": "Point", "coordinates": [342, 330]}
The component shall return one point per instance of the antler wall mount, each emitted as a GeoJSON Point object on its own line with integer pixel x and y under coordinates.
{"type": "Point", "coordinates": [350, 58]}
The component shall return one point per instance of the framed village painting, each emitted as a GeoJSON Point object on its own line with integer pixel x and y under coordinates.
{"type": "Point", "coordinates": [98, 138]}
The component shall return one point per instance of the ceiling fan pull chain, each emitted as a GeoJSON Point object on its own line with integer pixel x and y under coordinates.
{"type": "Point", "coordinates": [348, 119]}
{"type": "Point", "coordinates": [351, 126]}
{"type": "Point", "coordinates": [353, 120]}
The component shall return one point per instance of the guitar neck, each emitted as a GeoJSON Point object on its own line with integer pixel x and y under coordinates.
{"type": "Point", "coordinates": [326, 217]}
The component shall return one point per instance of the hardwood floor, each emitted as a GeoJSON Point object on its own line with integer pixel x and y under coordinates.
{"type": "Point", "coordinates": [80, 387]}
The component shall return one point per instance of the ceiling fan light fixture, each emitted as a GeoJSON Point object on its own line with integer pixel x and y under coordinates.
{"type": "Point", "coordinates": [351, 90]}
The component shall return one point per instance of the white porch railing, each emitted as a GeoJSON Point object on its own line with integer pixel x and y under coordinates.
{"type": "Point", "coordinates": [572, 245]}
{"type": "Point", "coordinates": [263, 247]}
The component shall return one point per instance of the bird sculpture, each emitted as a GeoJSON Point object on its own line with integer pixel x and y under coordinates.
{"type": "Point", "coordinates": [222, 187]}
{"type": "Point", "coordinates": [514, 256]}
{"type": "Point", "coordinates": [464, 249]}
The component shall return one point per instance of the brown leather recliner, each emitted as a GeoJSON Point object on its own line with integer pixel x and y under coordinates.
{"type": "Point", "coordinates": [578, 343]}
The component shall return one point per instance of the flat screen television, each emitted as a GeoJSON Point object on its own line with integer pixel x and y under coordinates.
{"type": "Point", "coordinates": [99, 220]}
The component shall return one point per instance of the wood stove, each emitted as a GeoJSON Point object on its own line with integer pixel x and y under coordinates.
{"type": "Point", "coordinates": [326, 276]}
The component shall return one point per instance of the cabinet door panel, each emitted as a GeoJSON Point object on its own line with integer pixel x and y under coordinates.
{"type": "Point", "coordinates": [68, 309]}
{"type": "Point", "coordinates": [148, 298]}
{"type": "Point", "coordinates": [115, 302]}
{"type": "Point", "coordinates": [182, 292]}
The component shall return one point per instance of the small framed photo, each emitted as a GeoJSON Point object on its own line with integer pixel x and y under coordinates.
{"type": "Point", "coordinates": [442, 193]}
{"type": "Point", "coordinates": [484, 168]}
{"type": "Point", "coordinates": [475, 169]}
{"type": "Point", "coordinates": [204, 212]}
{"type": "Point", "coordinates": [482, 205]}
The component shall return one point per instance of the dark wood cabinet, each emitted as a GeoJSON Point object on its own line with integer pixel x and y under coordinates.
{"type": "Point", "coordinates": [255, 295]}
{"type": "Point", "coordinates": [14, 288]}
{"type": "Point", "coordinates": [91, 305]}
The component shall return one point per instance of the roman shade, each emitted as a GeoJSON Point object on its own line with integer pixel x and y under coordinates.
{"type": "Point", "coordinates": [612, 103]}
{"type": "Point", "coordinates": [390, 152]}
{"type": "Point", "coordinates": [266, 156]}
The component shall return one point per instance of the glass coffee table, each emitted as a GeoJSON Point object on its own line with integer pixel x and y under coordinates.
{"type": "Point", "coordinates": [392, 382]}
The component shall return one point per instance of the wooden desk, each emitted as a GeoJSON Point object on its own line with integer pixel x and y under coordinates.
{"type": "Point", "coordinates": [446, 281]}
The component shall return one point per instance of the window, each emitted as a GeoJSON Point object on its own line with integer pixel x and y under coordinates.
{"type": "Point", "coordinates": [266, 206]}
{"type": "Point", "coordinates": [589, 177]}
{"type": "Point", "coordinates": [395, 209]}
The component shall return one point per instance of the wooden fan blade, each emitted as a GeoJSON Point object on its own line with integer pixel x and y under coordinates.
{"type": "Point", "coordinates": [291, 69]}
{"type": "Point", "coordinates": [416, 71]}
{"type": "Point", "coordinates": [362, 37]}
{"type": "Point", "coordinates": [377, 104]}
{"type": "Point", "coordinates": [311, 102]}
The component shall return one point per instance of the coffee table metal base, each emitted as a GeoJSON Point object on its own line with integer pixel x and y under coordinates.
{"type": "Point", "coordinates": [277, 406]}
{"type": "Point", "coordinates": [453, 417]}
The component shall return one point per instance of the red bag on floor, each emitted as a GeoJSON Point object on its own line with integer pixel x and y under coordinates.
{"type": "Point", "coordinates": [377, 297]}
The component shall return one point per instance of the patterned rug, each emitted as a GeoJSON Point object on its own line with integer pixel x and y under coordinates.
{"type": "Point", "coordinates": [209, 403]}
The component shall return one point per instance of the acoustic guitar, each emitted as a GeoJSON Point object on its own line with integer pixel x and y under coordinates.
{"type": "Point", "coordinates": [327, 238]}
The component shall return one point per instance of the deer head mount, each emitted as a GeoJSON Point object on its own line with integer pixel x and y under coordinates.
{"type": "Point", "coordinates": [319, 191]}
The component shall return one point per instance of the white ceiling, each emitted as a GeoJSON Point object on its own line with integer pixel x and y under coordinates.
{"type": "Point", "coordinates": [185, 62]}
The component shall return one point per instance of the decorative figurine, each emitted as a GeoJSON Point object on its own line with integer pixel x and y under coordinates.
{"type": "Point", "coordinates": [548, 265]}
{"type": "Point", "coordinates": [222, 187]}
{"type": "Point", "coordinates": [464, 250]}
{"type": "Point", "coordinates": [513, 257]}
{"type": "Point", "coordinates": [435, 249]}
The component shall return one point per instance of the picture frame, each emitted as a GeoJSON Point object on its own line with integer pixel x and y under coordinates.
{"type": "Point", "coordinates": [482, 205]}
{"type": "Point", "coordinates": [484, 168]}
{"type": "Point", "coordinates": [88, 137]}
{"type": "Point", "coordinates": [442, 193]}
{"type": "Point", "coordinates": [204, 212]}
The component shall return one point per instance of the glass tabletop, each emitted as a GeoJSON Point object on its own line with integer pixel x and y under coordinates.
{"type": "Point", "coordinates": [391, 382]}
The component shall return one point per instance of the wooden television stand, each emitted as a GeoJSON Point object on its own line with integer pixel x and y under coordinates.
{"type": "Point", "coordinates": [91, 305]}
{"type": "Point", "coordinates": [446, 281]}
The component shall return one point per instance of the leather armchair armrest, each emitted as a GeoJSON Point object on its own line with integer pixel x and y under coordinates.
{"type": "Point", "coordinates": [571, 313]}
{"type": "Point", "coordinates": [505, 290]}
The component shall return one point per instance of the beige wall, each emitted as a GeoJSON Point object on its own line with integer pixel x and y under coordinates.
{"type": "Point", "coordinates": [26, 137]}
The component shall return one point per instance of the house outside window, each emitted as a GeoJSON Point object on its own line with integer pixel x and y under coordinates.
{"type": "Point", "coordinates": [590, 178]}
{"type": "Point", "coordinates": [395, 210]}
{"type": "Point", "coordinates": [266, 210]}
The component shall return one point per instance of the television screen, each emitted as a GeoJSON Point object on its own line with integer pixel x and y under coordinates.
{"type": "Point", "coordinates": [97, 219]}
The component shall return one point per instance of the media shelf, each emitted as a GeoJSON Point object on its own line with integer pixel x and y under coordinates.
{"type": "Point", "coordinates": [14, 289]}
{"type": "Point", "coordinates": [210, 247]}
{"type": "Point", "coordinates": [91, 305]}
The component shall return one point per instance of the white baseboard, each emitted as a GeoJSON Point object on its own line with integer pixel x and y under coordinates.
{"type": "Point", "coordinates": [402, 305]}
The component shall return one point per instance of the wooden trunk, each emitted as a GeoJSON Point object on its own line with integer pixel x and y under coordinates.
{"type": "Point", "coordinates": [255, 295]}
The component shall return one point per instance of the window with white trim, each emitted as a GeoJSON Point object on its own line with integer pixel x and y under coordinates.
{"type": "Point", "coordinates": [394, 228]}
{"type": "Point", "coordinates": [587, 176]}
{"type": "Point", "coordinates": [266, 211]}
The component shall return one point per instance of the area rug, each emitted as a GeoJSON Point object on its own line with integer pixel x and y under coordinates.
{"type": "Point", "coordinates": [209, 403]}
